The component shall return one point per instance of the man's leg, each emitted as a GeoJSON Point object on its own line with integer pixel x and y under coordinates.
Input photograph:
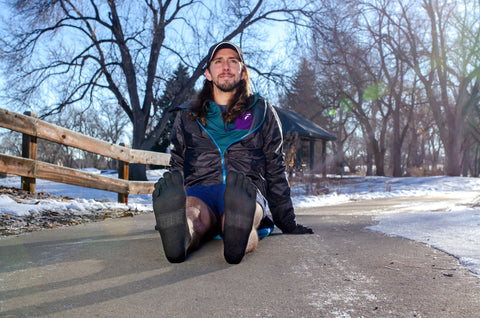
{"type": "Point", "coordinates": [240, 207]}
{"type": "Point", "coordinates": [182, 221]}
{"type": "Point", "coordinates": [200, 220]}
{"type": "Point", "coordinates": [253, 238]}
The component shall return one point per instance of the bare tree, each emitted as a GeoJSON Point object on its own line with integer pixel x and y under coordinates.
{"type": "Point", "coordinates": [402, 48]}
{"type": "Point", "coordinates": [107, 124]}
{"type": "Point", "coordinates": [442, 48]}
{"type": "Point", "coordinates": [113, 50]}
{"type": "Point", "coordinates": [337, 117]}
{"type": "Point", "coordinates": [342, 124]}
{"type": "Point", "coordinates": [399, 80]}
{"type": "Point", "coordinates": [474, 138]}
{"type": "Point", "coordinates": [345, 47]}
{"type": "Point", "coordinates": [421, 150]}
{"type": "Point", "coordinates": [10, 142]}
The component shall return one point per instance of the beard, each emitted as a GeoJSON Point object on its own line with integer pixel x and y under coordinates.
{"type": "Point", "coordinates": [227, 86]}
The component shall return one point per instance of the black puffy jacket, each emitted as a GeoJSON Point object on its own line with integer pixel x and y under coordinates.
{"type": "Point", "coordinates": [259, 155]}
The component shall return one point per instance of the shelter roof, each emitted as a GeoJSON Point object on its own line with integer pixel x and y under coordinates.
{"type": "Point", "coordinates": [293, 122]}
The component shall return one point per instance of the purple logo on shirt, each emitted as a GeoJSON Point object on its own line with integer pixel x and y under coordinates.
{"type": "Point", "coordinates": [244, 121]}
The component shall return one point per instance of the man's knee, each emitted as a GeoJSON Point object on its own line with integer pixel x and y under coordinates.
{"type": "Point", "coordinates": [200, 215]}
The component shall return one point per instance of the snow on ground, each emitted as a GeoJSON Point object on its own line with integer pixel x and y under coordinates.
{"type": "Point", "coordinates": [451, 227]}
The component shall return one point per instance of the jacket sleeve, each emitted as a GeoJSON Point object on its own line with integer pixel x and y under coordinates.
{"type": "Point", "coordinates": [177, 144]}
{"type": "Point", "coordinates": [278, 188]}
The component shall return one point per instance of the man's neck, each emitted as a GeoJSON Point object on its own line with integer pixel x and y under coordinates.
{"type": "Point", "coordinates": [222, 98]}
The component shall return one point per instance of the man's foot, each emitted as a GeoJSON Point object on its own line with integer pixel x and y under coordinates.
{"type": "Point", "coordinates": [169, 207]}
{"type": "Point", "coordinates": [240, 202]}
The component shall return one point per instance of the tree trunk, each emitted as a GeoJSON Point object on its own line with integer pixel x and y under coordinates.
{"type": "Point", "coordinates": [138, 172]}
{"type": "Point", "coordinates": [396, 146]}
{"type": "Point", "coordinates": [340, 160]}
{"type": "Point", "coordinates": [380, 164]}
{"type": "Point", "coordinates": [453, 154]}
{"type": "Point", "coordinates": [399, 135]}
{"type": "Point", "coordinates": [369, 162]}
{"type": "Point", "coordinates": [379, 160]}
{"type": "Point", "coordinates": [396, 159]}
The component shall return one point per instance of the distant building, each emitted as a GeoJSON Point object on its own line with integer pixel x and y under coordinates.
{"type": "Point", "coordinates": [299, 131]}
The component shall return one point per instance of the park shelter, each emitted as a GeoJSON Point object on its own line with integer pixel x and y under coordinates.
{"type": "Point", "coordinates": [294, 124]}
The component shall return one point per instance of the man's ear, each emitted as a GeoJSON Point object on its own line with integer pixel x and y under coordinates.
{"type": "Point", "coordinates": [208, 75]}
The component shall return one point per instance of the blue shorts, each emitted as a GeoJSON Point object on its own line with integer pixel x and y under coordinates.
{"type": "Point", "coordinates": [213, 197]}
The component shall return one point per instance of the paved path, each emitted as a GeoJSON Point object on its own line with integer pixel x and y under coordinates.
{"type": "Point", "coordinates": [116, 268]}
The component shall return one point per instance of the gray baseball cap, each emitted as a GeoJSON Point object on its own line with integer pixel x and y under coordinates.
{"type": "Point", "coordinates": [223, 45]}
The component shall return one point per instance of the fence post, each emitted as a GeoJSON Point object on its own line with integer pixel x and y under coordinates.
{"type": "Point", "coordinates": [29, 150]}
{"type": "Point", "coordinates": [123, 174]}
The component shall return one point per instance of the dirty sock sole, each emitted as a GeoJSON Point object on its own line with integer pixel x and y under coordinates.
{"type": "Point", "coordinates": [240, 203]}
{"type": "Point", "coordinates": [169, 208]}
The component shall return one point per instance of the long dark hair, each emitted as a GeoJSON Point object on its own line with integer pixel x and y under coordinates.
{"type": "Point", "coordinates": [236, 106]}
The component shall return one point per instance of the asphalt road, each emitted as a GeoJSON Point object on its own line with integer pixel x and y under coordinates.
{"type": "Point", "coordinates": [116, 268]}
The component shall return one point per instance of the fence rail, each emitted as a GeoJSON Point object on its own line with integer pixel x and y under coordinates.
{"type": "Point", "coordinates": [29, 168]}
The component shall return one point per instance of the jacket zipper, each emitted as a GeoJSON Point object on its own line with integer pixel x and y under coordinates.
{"type": "Point", "coordinates": [222, 154]}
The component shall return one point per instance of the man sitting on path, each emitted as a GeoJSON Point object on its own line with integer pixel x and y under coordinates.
{"type": "Point", "coordinates": [226, 161]}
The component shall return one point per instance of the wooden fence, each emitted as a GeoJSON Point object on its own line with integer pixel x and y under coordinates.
{"type": "Point", "coordinates": [29, 168]}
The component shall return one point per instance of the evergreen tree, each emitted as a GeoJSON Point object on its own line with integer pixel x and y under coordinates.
{"type": "Point", "coordinates": [173, 87]}
{"type": "Point", "coordinates": [302, 96]}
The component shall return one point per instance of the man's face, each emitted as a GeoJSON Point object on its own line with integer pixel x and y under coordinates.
{"type": "Point", "coordinates": [225, 70]}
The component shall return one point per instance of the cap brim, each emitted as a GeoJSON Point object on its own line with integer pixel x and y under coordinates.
{"type": "Point", "coordinates": [223, 45]}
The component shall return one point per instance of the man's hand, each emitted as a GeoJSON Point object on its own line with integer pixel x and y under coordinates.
{"type": "Point", "coordinates": [300, 229]}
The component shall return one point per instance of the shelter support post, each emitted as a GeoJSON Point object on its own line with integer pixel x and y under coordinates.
{"type": "Point", "coordinates": [324, 158]}
{"type": "Point", "coordinates": [312, 155]}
